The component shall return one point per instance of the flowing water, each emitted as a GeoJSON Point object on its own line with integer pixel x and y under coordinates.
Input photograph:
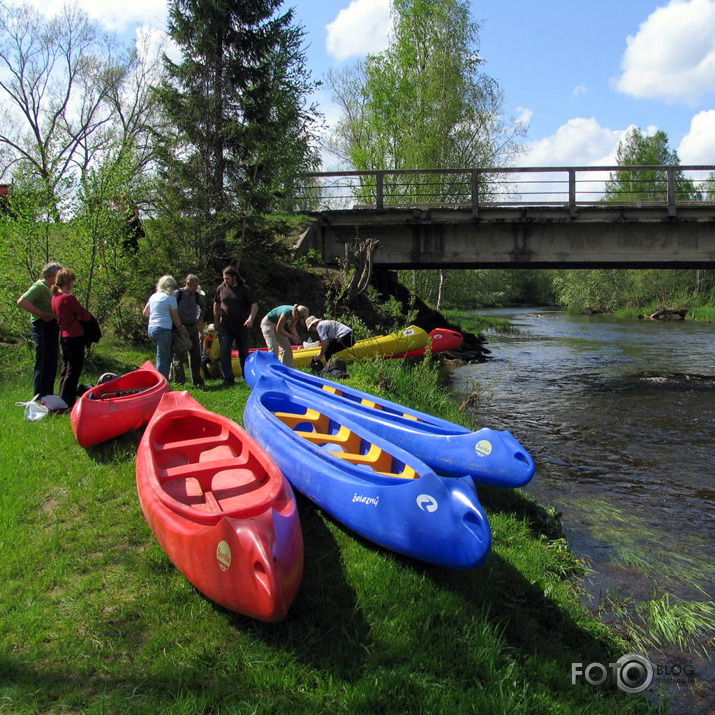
{"type": "Point", "coordinates": [620, 418]}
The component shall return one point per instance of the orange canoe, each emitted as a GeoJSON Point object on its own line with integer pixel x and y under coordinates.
{"type": "Point", "coordinates": [220, 508]}
{"type": "Point", "coordinates": [118, 406]}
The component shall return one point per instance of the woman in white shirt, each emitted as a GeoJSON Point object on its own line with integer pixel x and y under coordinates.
{"type": "Point", "coordinates": [163, 314]}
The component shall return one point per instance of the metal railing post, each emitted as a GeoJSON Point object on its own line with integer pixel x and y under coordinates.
{"type": "Point", "coordinates": [671, 191]}
{"type": "Point", "coordinates": [475, 193]}
{"type": "Point", "coordinates": [380, 190]}
{"type": "Point", "coordinates": [572, 192]}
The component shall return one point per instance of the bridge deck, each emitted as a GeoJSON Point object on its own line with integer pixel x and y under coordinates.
{"type": "Point", "coordinates": [670, 228]}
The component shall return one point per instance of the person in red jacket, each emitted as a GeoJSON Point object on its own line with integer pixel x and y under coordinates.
{"type": "Point", "coordinates": [69, 313]}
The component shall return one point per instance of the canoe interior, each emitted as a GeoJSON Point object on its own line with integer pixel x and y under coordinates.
{"type": "Point", "coordinates": [202, 466]}
{"type": "Point", "coordinates": [126, 386]}
{"type": "Point", "coordinates": [365, 402]}
{"type": "Point", "coordinates": [337, 439]}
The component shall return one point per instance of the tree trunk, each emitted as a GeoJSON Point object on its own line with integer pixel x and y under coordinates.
{"type": "Point", "coordinates": [440, 291]}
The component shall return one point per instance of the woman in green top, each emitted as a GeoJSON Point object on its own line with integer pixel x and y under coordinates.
{"type": "Point", "coordinates": [37, 299]}
{"type": "Point", "coordinates": [279, 330]}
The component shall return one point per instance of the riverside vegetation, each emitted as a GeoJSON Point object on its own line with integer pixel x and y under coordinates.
{"type": "Point", "coordinates": [96, 619]}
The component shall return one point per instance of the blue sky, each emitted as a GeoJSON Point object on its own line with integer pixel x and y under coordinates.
{"type": "Point", "coordinates": [581, 72]}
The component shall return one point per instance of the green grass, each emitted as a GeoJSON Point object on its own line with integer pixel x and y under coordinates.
{"type": "Point", "coordinates": [664, 622]}
{"type": "Point", "coordinates": [634, 543]}
{"type": "Point", "coordinates": [95, 618]}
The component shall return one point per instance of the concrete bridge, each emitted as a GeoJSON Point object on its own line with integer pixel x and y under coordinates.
{"type": "Point", "coordinates": [550, 217]}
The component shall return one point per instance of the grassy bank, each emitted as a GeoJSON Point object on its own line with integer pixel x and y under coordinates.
{"type": "Point", "coordinates": [703, 313]}
{"type": "Point", "coordinates": [97, 620]}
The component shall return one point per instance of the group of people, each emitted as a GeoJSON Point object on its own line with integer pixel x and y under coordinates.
{"type": "Point", "coordinates": [57, 314]}
{"type": "Point", "coordinates": [234, 312]}
{"type": "Point", "coordinates": [57, 317]}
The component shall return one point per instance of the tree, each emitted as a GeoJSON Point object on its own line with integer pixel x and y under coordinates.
{"type": "Point", "coordinates": [243, 130]}
{"type": "Point", "coordinates": [424, 102]}
{"type": "Point", "coordinates": [636, 149]}
{"type": "Point", "coordinates": [76, 134]}
{"type": "Point", "coordinates": [62, 80]}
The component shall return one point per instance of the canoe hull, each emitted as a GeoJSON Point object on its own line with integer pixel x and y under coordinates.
{"type": "Point", "coordinates": [96, 418]}
{"type": "Point", "coordinates": [410, 342]}
{"type": "Point", "coordinates": [440, 339]}
{"type": "Point", "coordinates": [220, 508]}
{"type": "Point", "coordinates": [488, 456]}
{"type": "Point", "coordinates": [434, 519]}
{"type": "Point", "coordinates": [381, 346]}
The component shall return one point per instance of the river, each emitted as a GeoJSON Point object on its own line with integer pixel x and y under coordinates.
{"type": "Point", "coordinates": [619, 416]}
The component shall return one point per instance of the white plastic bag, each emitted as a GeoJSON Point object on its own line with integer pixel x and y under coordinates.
{"type": "Point", "coordinates": [34, 410]}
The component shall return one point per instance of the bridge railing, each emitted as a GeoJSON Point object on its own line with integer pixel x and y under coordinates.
{"type": "Point", "coordinates": [572, 187]}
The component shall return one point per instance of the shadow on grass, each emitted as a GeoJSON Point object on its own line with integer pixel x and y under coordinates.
{"type": "Point", "coordinates": [324, 624]}
{"type": "Point", "coordinates": [117, 450]}
{"type": "Point", "coordinates": [541, 520]}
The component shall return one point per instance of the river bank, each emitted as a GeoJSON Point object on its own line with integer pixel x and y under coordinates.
{"type": "Point", "coordinates": [619, 415]}
{"type": "Point", "coordinates": [102, 622]}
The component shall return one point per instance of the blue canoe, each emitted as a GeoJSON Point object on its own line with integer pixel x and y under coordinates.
{"type": "Point", "coordinates": [488, 456]}
{"type": "Point", "coordinates": [365, 482]}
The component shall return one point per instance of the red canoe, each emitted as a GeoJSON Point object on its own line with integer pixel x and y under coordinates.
{"type": "Point", "coordinates": [220, 508]}
{"type": "Point", "coordinates": [118, 406]}
{"type": "Point", "coordinates": [440, 339]}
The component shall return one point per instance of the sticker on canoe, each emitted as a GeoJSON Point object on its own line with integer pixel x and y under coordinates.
{"type": "Point", "coordinates": [366, 500]}
{"type": "Point", "coordinates": [223, 555]}
{"type": "Point", "coordinates": [483, 448]}
{"type": "Point", "coordinates": [427, 503]}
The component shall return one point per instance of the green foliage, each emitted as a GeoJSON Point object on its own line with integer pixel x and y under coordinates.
{"type": "Point", "coordinates": [635, 149]}
{"type": "Point", "coordinates": [482, 287]}
{"type": "Point", "coordinates": [423, 102]}
{"type": "Point", "coordinates": [608, 290]}
{"type": "Point", "coordinates": [241, 127]}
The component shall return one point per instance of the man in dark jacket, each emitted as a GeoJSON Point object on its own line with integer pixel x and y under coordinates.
{"type": "Point", "coordinates": [234, 311]}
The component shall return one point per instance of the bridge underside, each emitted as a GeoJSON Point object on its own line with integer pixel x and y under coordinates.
{"type": "Point", "coordinates": [531, 237]}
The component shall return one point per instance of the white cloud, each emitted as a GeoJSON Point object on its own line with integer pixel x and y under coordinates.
{"type": "Point", "coordinates": [362, 27]}
{"type": "Point", "coordinates": [523, 115]}
{"type": "Point", "coordinates": [672, 57]}
{"type": "Point", "coordinates": [698, 146]}
{"type": "Point", "coordinates": [579, 142]}
{"type": "Point", "coordinates": [116, 15]}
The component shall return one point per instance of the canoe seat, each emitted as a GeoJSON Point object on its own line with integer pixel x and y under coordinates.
{"type": "Point", "coordinates": [195, 444]}
{"type": "Point", "coordinates": [344, 437]}
{"type": "Point", "coordinates": [201, 471]}
{"type": "Point", "coordinates": [370, 403]}
{"type": "Point", "coordinates": [379, 461]}
{"type": "Point", "coordinates": [223, 485]}
{"type": "Point", "coordinates": [315, 418]}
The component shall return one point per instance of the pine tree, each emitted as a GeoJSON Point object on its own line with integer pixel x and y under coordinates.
{"type": "Point", "coordinates": [237, 101]}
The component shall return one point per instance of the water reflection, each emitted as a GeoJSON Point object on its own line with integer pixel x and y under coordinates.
{"type": "Point", "coordinates": [620, 418]}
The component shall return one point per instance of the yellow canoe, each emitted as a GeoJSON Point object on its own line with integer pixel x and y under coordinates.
{"type": "Point", "coordinates": [411, 338]}
{"type": "Point", "coordinates": [379, 346]}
